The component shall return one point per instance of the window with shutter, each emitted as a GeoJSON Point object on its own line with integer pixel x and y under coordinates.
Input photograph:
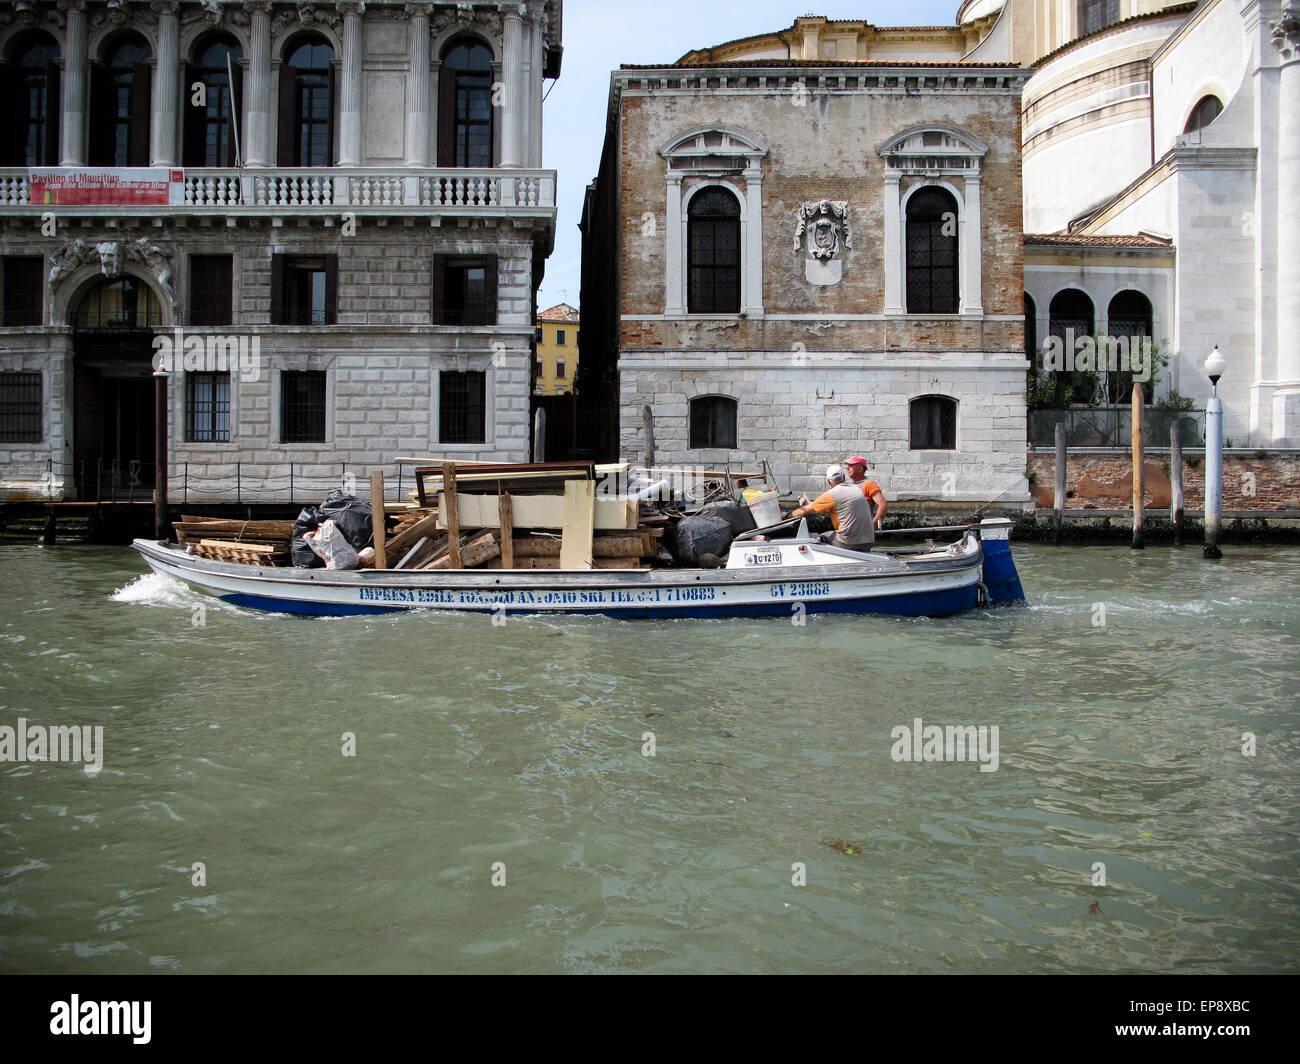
{"type": "Point", "coordinates": [211, 289]}
{"type": "Point", "coordinates": [465, 290]}
{"type": "Point", "coordinates": [23, 290]}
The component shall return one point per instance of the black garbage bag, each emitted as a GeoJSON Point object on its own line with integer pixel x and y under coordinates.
{"type": "Point", "coordinates": [738, 517]}
{"type": "Point", "coordinates": [352, 516]}
{"type": "Point", "coordinates": [303, 556]}
{"type": "Point", "coordinates": [701, 534]}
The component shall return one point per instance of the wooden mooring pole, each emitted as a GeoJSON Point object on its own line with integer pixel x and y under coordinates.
{"type": "Point", "coordinates": [1176, 498]}
{"type": "Point", "coordinates": [1139, 480]}
{"type": "Point", "coordinates": [377, 518]}
{"type": "Point", "coordinates": [1062, 469]}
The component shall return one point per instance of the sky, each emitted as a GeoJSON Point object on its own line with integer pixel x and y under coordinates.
{"type": "Point", "coordinates": [600, 35]}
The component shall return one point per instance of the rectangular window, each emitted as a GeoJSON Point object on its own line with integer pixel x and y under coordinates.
{"type": "Point", "coordinates": [465, 290]}
{"type": "Point", "coordinates": [20, 408]}
{"type": "Point", "coordinates": [462, 407]}
{"type": "Point", "coordinates": [304, 289]}
{"type": "Point", "coordinates": [302, 407]}
{"type": "Point", "coordinates": [1096, 15]}
{"type": "Point", "coordinates": [207, 408]}
{"type": "Point", "coordinates": [559, 338]}
{"type": "Point", "coordinates": [211, 289]}
{"type": "Point", "coordinates": [713, 422]}
{"type": "Point", "coordinates": [560, 368]}
{"type": "Point", "coordinates": [22, 290]}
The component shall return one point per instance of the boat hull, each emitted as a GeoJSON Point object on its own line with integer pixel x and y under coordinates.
{"type": "Point", "coordinates": [937, 586]}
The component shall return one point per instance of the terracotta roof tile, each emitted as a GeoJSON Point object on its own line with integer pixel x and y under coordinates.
{"type": "Point", "coordinates": [560, 314]}
{"type": "Point", "coordinates": [1140, 240]}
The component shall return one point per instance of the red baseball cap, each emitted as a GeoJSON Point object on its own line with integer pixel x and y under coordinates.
{"type": "Point", "coordinates": [857, 459]}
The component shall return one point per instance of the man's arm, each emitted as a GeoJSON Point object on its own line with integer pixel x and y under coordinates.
{"type": "Point", "coordinates": [882, 506]}
{"type": "Point", "coordinates": [820, 505]}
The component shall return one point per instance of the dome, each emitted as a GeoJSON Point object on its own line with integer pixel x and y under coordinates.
{"type": "Point", "coordinates": [972, 10]}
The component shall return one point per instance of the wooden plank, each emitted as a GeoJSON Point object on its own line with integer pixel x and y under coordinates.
{"type": "Point", "coordinates": [250, 548]}
{"type": "Point", "coordinates": [377, 516]}
{"type": "Point", "coordinates": [433, 547]}
{"type": "Point", "coordinates": [478, 550]}
{"type": "Point", "coordinates": [412, 533]}
{"type": "Point", "coordinates": [452, 502]}
{"type": "Point", "coordinates": [579, 525]}
{"type": "Point", "coordinates": [540, 511]}
{"type": "Point", "coordinates": [631, 562]}
{"type": "Point", "coordinates": [536, 547]}
{"type": "Point", "coordinates": [507, 533]}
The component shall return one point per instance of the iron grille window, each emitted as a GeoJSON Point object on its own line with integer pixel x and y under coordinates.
{"type": "Point", "coordinates": [713, 253]}
{"type": "Point", "coordinates": [932, 253]}
{"type": "Point", "coordinates": [20, 408]}
{"type": "Point", "coordinates": [302, 406]}
{"type": "Point", "coordinates": [466, 105]}
{"type": "Point", "coordinates": [22, 291]}
{"type": "Point", "coordinates": [211, 289]}
{"type": "Point", "coordinates": [1096, 15]}
{"type": "Point", "coordinates": [713, 422]}
{"type": "Point", "coordinates": [934, 423]}
{"type": "Point", "coordinates": [462, 407]}
{"type": "Point", "coordinates": [207, 408]}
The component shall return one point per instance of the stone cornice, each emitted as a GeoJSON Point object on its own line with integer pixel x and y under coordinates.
{"type": "Point", "coordinates": [1286, 31]}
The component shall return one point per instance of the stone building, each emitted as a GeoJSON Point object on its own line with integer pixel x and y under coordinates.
{"type": "Point", "coordinates": [800, 258]}
{"type": "Point", "coordinates": [332, 215]}
{"type": "Point", "coordinates": [557, 349]}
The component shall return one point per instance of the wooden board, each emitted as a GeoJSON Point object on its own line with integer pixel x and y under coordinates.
{"type": "Point", "coordinates": [507, 533]}
{"type": "Point", "coordinates": [579, 526]}
{"type": "Point", "coordinates": [412, 534]}
{"type": "Point", "coordinates": [377, 518]}
{"type": "Point", "coordinates": [538, 511]}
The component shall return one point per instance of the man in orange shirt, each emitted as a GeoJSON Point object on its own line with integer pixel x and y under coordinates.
{"type": "Point", "coordinates": [850, 513]}
{"type": "Point", "coordinates": [856, 467]}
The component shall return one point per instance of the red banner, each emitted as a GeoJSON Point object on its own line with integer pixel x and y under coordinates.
{"type": "Point", "coordinates": [128, 187]}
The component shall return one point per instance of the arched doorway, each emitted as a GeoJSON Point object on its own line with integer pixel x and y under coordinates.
{"type": "Point", "coordinates": [113, 390]}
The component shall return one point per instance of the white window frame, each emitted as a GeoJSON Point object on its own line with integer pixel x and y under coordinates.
{"type": "Point", "coordinates": [956, 165]}
{"type": "Point", "coordinates": [700, 158]}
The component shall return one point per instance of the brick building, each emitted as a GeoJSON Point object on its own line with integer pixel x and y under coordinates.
{"type": "Point", "coordinates": [346, 198]}
{"type": "Point", "coordinates": [798, 259]}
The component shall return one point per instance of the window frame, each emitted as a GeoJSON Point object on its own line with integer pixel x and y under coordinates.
{"type": "Point", "coordinates": [213, 433]}
{"type": "Point", "coordinates": [118, 140]}
{"type": "Point", "coordinates": [702, 298]}
{"type": "Point", "coordinates": [441, 311]}
{"type": "Point", "coordinates": [947, 405]}
{"type": "Point", "coordinates": [1110, 14]}
{"type": "Point", "coordinates": [284, 268]}
{"type": "Point", "coordinates": [35, 408]}
{"type": "Point", "coordinates": [301, 436]}
{"type": "Point", "coordinates": [34, 312]}
{"type": "Point", "coordinates": [912, 268]}
{"type": "Point", "coordinates": [290, 118]}
{"type": "Point", "coordinates": [469, 375]}
{"type": "Point", "coordinates": [201, 282]}
{"type": "Point", "coordinates": [702, 436]}
{"type": "Point", "coordinates": [453, 149]}
{"type": "Point", "coordinates": [198, 122]}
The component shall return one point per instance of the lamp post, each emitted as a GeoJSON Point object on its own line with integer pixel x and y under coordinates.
{"type": "Point", "coordinates": [1214, 367]}
{"type": "Point", "coordinates": [161, 527]}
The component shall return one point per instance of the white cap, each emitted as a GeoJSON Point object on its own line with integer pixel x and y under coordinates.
{"type": "Point", "coordinates": [834, 474]}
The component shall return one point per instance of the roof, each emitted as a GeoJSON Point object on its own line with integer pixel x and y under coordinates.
{"type": "Point", "coordinates": [845, 63]}
{"type": "Point", "coordinates": [560, 314]}
{"type": "Point", "coordinates": [1140, 240]}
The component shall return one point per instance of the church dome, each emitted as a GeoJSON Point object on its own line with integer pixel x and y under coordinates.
{"type": "Point", "coordinates": [971, 10]}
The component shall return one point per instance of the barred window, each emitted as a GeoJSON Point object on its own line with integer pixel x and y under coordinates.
{"type": "Point", "coordinates": [207, 408]}
{"type": "Point", "coordinates": [713, 422]}
{"type": "Point", "coordinates": [462, 407]}
{"type": "Point", "coordinates": [22, 291]}
{"type": "Point", "coordinates": [20, 408]}
{"type": "Point", "coordinates": [934, 423]}
{"type": "Point", "coordinates": [932, 252]}
{"type": "Point", "coordinates": [302, 406]}
{"type": "Point", "coordinates": [713, 253]}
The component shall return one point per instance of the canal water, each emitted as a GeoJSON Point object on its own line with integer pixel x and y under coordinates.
{"type": "Point", "coordinates": [428, 792]}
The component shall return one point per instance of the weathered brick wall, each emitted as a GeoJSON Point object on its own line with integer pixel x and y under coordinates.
{"type": "Point", "coordinates": [1104, 481]}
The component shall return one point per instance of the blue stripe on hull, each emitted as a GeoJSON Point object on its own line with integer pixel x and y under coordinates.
{"type": "Point", "coordinates": [930, 604]}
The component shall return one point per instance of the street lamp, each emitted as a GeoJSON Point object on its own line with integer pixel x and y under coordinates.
{"type": "Point", "coordinates": [1214, 368]}
{"type": "Point", "coordinates": [162, 528]}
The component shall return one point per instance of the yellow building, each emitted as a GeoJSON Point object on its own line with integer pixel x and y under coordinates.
{"type": "Point", "coordinates": [557, 350]}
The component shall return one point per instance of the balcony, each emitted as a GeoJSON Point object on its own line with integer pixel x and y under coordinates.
{"type": "Point", "coordinates": [269, 191]}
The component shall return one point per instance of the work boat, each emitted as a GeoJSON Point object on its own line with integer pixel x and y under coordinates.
{"type": "Point", "coordinates": [764, 576]}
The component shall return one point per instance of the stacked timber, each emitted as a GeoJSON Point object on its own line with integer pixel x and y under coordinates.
{"type": "Point", "coordinates": [243, 542]}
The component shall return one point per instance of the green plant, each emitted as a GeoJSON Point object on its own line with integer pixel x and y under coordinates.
{"type": "Point", "coordinates": [1193, 462]}
{"type": "Point", "coordinates": [1228, 443]}
{"type": "Point", "coordinates": [1031, 476]}
{"type": "Point", "coordinates": [1261, 453]}
{"type": "Point", "coordinates": [1175, 401]}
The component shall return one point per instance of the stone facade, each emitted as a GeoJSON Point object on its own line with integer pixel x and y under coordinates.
{"type": "Point", "coordinates": [384, 212]}
{"type": "Point", "coordinates": [819, 368]}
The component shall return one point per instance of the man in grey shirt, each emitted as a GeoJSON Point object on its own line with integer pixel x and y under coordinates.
{"type": "Point", "coordinates": [850, 513]}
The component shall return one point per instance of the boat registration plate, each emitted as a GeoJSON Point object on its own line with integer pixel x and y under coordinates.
{"type": "Point", "coordinates": [764, 557]}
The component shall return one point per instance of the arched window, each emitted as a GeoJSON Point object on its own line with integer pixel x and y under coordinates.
{"type": "Point", "coordinates": [932, 252]}
{"type": "Point", "coordinates": [1071, 317]}
{"type": "Point", "coordinates": [210, 125]}
{"type": "Point", "coordinates": [1204, 113]}
{"type": "Point", "coordinates": [1129, 320]}
{"type": "Point", "coordinates": [934, 423]}
{"type": "Point", "coordinates": [1129, 314]}
{"type": "Point", "coordinates": [29, 85]}
{"type": "Point", "coordinates": [713, 422]}
{"type": "Point", "coordinates": [713, 252]}
{"type": "Point", "coordinates": [307, 102]}
{"type": "Point", "coordinates": [1096, 15]}
{"type": "Point", "coordinates": [118, 303]}
{"type": "Point", "coordinates": [120, 104]}
{"type": "Point", "coordinates": [465, 129]}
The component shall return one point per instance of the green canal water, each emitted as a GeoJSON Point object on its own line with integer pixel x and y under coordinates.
{"type": "Point", "coordinates": [1121, 697]}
